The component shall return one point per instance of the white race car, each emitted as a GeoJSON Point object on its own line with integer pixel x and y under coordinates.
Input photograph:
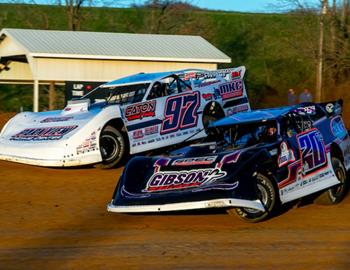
{"type": "Point", "coordinates": [139, 113]}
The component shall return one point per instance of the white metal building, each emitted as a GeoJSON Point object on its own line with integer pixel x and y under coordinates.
{"type": "Point", "coordinates": [53, 57]}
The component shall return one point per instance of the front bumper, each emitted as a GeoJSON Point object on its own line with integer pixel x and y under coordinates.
{"type": "Point", "coordinates": [45, 154]}
{"type": "Point", "coordinates": [215, 203]}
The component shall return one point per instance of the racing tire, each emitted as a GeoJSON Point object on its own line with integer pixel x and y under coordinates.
{"type": "Point", "coordinates": [267, 196]}
{"type": "Point", "coordinates": [112, 147]}
{"type": "Point", "coordinates": [337, 193]}
{"type": "Point", "coordinates": [212, 113]}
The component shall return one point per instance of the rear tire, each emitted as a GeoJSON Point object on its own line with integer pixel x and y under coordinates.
{"type": "Point", "coordinates": [212, 113]}
{"type": "Point", "coordinates": [337, 193]}
{"type": "Point", "coordinates": [112, 147]}
{"type": "Point", "coordinates": [268, 197]}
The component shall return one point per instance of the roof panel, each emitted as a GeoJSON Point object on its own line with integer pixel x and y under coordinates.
{"type": "Point", "coordinates": [252, 116]}
{"type": "Point", "coordinates": [80, 44]}
{"type": "Point", "coordinates": [138, 78]}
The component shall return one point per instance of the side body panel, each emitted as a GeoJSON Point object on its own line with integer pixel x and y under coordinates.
{"type": "Point", "coordinates": [56, 138]}
{"type": "Point", "coordinates": [305, 159]}
{"type": "Point", "coordinates": [170, 120]}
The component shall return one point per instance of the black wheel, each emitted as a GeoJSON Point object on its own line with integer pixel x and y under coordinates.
{"type": "Point", "coordinates": [335, 194]}
{"type": "Point", "coordinates": [212, 113]}
{"type": "Point", "coordinates": [268, 197]}
{"type": "Point", "coordinates": [112, 147]}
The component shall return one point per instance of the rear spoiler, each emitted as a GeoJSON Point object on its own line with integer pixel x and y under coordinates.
{"type": "Point", "coordinates": [333, 107]}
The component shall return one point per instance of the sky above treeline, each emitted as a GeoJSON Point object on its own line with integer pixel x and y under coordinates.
{"type": "Point", "coordinates": [250, 5]}
{"type": "Point", "coordinates": [265, 6]}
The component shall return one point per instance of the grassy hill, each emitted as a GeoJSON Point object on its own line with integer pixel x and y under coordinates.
{"type": "Point", "coordinates": [275, 48]}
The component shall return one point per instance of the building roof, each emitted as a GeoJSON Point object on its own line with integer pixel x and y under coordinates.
{"type": "Point", "coordinates": [116, 46]}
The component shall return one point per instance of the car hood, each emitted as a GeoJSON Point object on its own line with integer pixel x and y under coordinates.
{"type": "Point", "coordinates": [50, 125]}
{"type": "Point", "coordinates": [160, 180]}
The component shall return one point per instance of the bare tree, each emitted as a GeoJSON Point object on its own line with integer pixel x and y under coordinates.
{"type": "Point", "coordinates": [167, 15]}
{"type": "Point", "coordinates": [74, 13]}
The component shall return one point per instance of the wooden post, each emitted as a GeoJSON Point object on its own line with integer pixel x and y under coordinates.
{"type": "Point", "coordinates": [36, 96]}
{"type": "Point", "coordinates": [52, 96]}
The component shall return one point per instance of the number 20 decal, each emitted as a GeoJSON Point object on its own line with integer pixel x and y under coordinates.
{"type": "Point", "coordinates": [313, 152]}
{"type": "Point", "coordinates": [180, 112]}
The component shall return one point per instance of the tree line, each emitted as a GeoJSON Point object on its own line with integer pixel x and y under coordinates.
{"type": "Point", "coordinates": [280, 50]}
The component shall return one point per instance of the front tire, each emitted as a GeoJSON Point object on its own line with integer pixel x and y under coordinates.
{"type": "Point", "coordinates": [268, 197]}
{"type": "Point", "coordinates": [112, 147]}
{"type": "Point", "coordinates": [335, 194]}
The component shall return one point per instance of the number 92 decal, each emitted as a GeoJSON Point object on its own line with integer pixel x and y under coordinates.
{"type": "Point", "coordinates": [180, 112]}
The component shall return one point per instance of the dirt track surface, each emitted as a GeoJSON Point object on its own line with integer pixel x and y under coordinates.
{"type": "Point", "coordinates": [4, 117]}
{"type": "Point", "coordinates": [57, 219]}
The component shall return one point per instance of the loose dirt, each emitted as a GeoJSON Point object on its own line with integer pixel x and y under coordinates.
{"type": "Point", "coordinates": [57, 219]}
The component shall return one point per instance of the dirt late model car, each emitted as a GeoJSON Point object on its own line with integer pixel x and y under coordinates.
{"type": "Point", "coordinates": [259, 160]}
{"type": "Point", "coordinates": [136, 114]}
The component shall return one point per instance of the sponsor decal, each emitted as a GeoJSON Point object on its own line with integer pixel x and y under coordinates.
{"type": "Point", "coordinates": [221, 72]}
{"type": "Point", "coordinates": [137, 134]}
{"type": "Point", "coordinates": [190, 75]}
{"type": "Point", "coordinates": [56, 119]}
{"type": "Point", "coordinates": [141, 133]}
{"type": "Point", "coordinates": [140, 110]}
{"type": "Point", "coordinates": [194, 161]}
{"type": "Point", "coordinates": [89, 144]}
{"type": "Point", "coordinates": [174, 180]}
{"type": "Point", "coordinates": [310, 109]}
{"type": "Point", "coordinates": [207, 96]}
{"type": "Point", "coordinates": [42, 134]}
{"type": "Point", "coordinates": [304, 182]}
{"type": "Point", "coordinates": [236, 74]}
{"type": "Point", "coordinates": [338, 128]}
{"type": "Point", "coordinates": [164, 138]}
{"type": "Point", "coordinates": [151, 130]}
{"type": "Point", "coordinates": [207, 83]}
{"type": "Point", "coordinates": [286, 156]}
{"type": "Point", "coordinates": [236, 109]}
{"type": "Point", "coordinates": [231, 89]}
{"type": "Point", "coordinates": [329, 107]}
{"type": "Point", "coordinates": [306, 110]}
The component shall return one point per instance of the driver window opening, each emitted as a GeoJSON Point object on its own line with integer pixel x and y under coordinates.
{"type": "Point", "coordinates": [167, 86]}
{"type": "Point", "coordinates": [245, 135]}
{"type": "Point", "coordinates": [294, 124]}
{"type": "Point", "coordinates": [159, 89]}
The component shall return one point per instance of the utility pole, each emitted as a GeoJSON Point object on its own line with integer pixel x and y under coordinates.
{"type": "Point", "coordinates": [318, 94]}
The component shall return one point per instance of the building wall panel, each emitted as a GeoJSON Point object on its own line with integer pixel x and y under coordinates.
{"type": "Point", "coordinates": [103, 70]}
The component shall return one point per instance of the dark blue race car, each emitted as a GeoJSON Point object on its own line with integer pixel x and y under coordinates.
{"type": "Point", "coordinates": [251, 164]}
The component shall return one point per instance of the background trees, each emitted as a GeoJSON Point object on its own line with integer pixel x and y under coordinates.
{"type": "Point", "coordinates": [281, 51]}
